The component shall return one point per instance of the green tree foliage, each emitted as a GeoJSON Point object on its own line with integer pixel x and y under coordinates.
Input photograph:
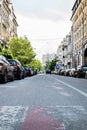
{"type": "Point", "coordinates": [51, 64]}
{"type": "Point", "coordinates": [36, 64]}
{"type": "Point", "coordinates": [22, 50]}
{"type": "Point", "coordinates": [48, 63]}
{"type": "Point", "coordinates": [6, 53]}
{"type": "Point", "coordinates": [0, 50]}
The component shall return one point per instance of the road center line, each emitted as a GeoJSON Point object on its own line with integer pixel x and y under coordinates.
{"type": "Point", "coordinates": [70, 86]}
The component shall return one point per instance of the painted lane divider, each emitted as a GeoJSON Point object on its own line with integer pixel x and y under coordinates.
{"type": "Point", "coordinates": [72, 87]}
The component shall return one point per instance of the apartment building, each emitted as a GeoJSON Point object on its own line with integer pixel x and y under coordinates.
{"type": "Point", "coordinates": [79, 31]}
{"type": "Point", "coordinates": [47, 57]}
{"type": "Point", "coordinates": [13, 22]}
{"type": "Point", "coordinates": [8, 22]}
{"type": "Point", "coordinates": [60, 53]}
{"type": "Point", "coordinates": [64, 52]}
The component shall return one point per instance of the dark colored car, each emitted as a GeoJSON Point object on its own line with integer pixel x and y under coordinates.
{"type": "Point", "coordinates": [18, 68]}
{"type": "Point", "coordinates": [67, 72]}
{"type": "Point", "coordinates": [27, 71]}
{"type": "Point", "coordinates": [48, 71]}
{"type": "Point", "coordinates": [6, 71]}
{"type": "Point", "coordinates": [35, 71]}
{"type": "Point", "coordinates": [82, 71]}
{"type": "Point", "coordinates": [62, 72]}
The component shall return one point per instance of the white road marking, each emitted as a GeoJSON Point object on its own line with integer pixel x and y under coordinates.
{"type": "Point", "coordinates": [7, 86]}
{"type": "Point", "coordinates": [70, 86]}
{"type": "Point", "coordinates": [59, 87]}
{"type": "Point", "coordinates": [65, 94]}
{"type": "Point", "coordinates": [11, 115]}
{"type": "Point", "coordinates": [68, 113]}
{"type": "Point", "coordinates": [26, 109]}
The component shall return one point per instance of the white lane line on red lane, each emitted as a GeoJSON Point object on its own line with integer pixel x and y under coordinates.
{"type": "Point", "coordinates": [24, 115]}
{"type": "Point", "coordinates": [72, 87]}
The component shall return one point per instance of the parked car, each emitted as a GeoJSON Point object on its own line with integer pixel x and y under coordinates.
{"type": "Point", "coordinates": [35, 71]}
{"type": "Point", "coordinates": [17, 67]}
{"type": "Point", "coordinates": [28, 71]}
{"type": "Point", "coordinates": [67, 72]}
{"type": "Point", "coordinates": [32, 70]}
{"type": "Point", "coordinates": [6, 71]}
{"type": "Point", "coordinates": [72, 72]}
{"type": "Point", "coordinates": [48, 71]}
{"type": "Point", "coordinates": [82, 71]}
{"type": "Point", "coordinates": [62, 72]}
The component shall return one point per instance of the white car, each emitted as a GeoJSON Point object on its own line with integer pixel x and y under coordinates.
{"type": "Point", "coordinates": [71, 73]}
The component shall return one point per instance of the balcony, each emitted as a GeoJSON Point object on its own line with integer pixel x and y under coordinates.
{"type": "Point", "coordinates": [85, 41]}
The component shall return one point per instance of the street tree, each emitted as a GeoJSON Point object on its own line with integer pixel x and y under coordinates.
{"type": "Point", "coordinates": [48, 63]}
{"type": "Point", "coordinates": [0, 50]}
{"type": "Point", "coordinates": [6, 52]}
{"type": "Point", "coordinates": [36, 64]}
{"type": "Point", "coordinates": [22, 50]}
{"type": "Point", "coordinates": [51, 64]}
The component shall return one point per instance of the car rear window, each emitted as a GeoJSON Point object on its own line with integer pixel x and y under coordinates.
{"type": "Point", "coordinates": [85, 68]}
{"type": "Point", "coordinates": [26, 68]}
{"type": "Point", "coordinates": [12, 62]}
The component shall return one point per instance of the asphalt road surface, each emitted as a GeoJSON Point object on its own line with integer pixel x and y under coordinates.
{"type": "Point", "coordinates": [44, 102]}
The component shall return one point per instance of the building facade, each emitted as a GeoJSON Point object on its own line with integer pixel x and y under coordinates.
{"type": "Point", "coordinates": [79, 31]}
{"type": "Point", "coordinates": [64, 52]}
{"type": "Point", "coordinates": [47, 57]}
{"type": "Point", "coordinates": [8, 22]}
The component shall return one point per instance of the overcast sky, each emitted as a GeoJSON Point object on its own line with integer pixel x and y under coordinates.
{"type": "Point", "coordinates": [44, 22]}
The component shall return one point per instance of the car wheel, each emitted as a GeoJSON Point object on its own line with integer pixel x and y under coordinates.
{"type": "Point", "coordinates": [86, 76]}
{"type": "Point", "coordinates": [5, 79]}
{"type": "Point", "coordinates": [20, 77]}
{"type": "Point", "coordinates": [13, 77]}
{"type": "Point", "coordinates": [23, 76]}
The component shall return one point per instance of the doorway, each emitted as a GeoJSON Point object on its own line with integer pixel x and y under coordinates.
{"type": "Point", "coordinates": [85, 57]}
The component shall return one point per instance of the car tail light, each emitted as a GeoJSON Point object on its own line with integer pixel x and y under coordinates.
{"type": "Point", "coordinates": [16, 67]}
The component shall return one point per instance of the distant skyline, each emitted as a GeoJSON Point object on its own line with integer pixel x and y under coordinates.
{"type": "Point", "coordinates": [45, 23]}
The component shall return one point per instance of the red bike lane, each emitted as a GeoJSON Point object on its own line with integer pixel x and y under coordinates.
{"type": "Point", "coordinates": [37, 119]}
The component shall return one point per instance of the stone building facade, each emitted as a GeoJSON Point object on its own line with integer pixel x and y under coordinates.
{"type": "Point", "coordinates": [79, 28]}
{"type": "Point", "coordinates": [8, 22]}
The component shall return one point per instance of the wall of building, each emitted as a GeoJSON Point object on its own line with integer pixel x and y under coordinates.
{"type": "Point", "coordinates": [8, 22]}
{"type": "Point", "coordinates": [79, 20]}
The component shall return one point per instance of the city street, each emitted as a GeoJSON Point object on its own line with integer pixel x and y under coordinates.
{"type": "Point", "coordinates": [44, 102]}
{"type": "Point", "coordinates": [43, 65]}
